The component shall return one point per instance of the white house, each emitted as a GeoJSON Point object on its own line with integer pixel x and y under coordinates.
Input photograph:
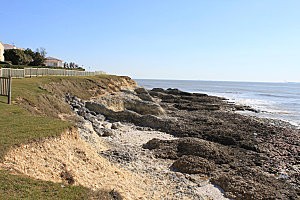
{"type": "Point", "coordinates": [1, 52]}
{"type": "Point", "coordinates": [53, 62]}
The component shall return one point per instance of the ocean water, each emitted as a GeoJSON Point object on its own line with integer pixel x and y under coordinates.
{"type": "Point", "coordinates": [273, 100]}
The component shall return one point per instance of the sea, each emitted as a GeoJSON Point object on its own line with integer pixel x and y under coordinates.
{"type": "Point", "coordinates": [273, 100]}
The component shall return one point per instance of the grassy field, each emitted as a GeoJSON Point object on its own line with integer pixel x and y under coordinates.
{"type": "Point", "coordinates": [19, 125]}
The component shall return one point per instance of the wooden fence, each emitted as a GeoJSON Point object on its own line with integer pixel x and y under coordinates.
{"type": "Point", "coordinates": [31, 72]}
{"type": "Point", "coordinates": [5, 88]}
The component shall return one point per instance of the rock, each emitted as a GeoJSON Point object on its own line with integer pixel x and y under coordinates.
{"type": "Point", "coordinates": [193, 165]}
{"type": "Point", "coordinates": [129, 116]}
{"type": "Point", "coordinates": [173, 149]}
{"type": "Point", "coordinates": [107, 132]}
{"type": "Point", "coordinates": [100, 117]}
{"type": "Point", "coordinates": [158, 90]}
{"type": "Point", "coordinates": [107, 125]}
{"type": "Point", "coordinates": [144, 107]}
{"type": "Point", "coordinates": [205, 149]}
{"type": "Point", "coordinates": [89, 117]}
{"type": "Point", "coordinates": [116, 125]}
{"type": "Point", "coordinates": [93, 113]}
{"type": "Point", "coordinates": [163, 148]}
{"type": "Point", "coordinates": [177, 92]}
{"type": "Point", "coordinates": [120, 156]}
{"type": "Point", "coordinates": [143, 94]}
{"type": "Point", "coordinates": [82, 111]}
{"type": "Point", "coordinates": [140, 128]}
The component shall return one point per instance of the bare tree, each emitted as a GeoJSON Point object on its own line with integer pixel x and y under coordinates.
{"type": "Point", "coordinates": [42, 51]}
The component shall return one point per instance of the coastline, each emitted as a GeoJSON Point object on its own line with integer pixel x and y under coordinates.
{"type": "Point", "coordinates": [212, 142]}
{"type": "Point", "coordinates": [271, 100]}
{"type": "Point", "coordinates": [162, 144]}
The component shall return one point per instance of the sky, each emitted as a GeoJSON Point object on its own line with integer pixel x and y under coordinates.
{"type": "Point", "coordinates": [226, 40]}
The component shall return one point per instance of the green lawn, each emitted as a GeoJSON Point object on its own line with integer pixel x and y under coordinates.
{"type": "Point", "coordinates": [21, 187]}
{"type": "Point", "coordinates": [19, 125]}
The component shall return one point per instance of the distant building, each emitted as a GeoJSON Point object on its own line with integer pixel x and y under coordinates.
{"type": "Point", "coordinates": [1, 52]}
{"type": "Point", "coordinates": [53, 62]}
{"type": "Point", "coordinates": [11, 46]}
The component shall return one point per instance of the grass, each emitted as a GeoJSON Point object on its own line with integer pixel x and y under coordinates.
{"type": "Point", "coordinates": [19, 125]}
{"type": "Point", "coordinates": [21, 187]}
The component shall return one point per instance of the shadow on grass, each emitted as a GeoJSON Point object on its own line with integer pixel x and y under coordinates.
{"type": "Point", "coordinates": [3, 100]}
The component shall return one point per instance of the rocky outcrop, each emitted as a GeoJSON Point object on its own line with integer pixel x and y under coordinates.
{"type": "Point", "coordinates": [249, 158]}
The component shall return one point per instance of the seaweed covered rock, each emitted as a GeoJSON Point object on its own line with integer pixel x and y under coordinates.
{"type": "Point", "coordinates": [193, 165]}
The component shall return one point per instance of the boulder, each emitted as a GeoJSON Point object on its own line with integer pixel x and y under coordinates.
{"type": "Point", "coordinates": [193, 165]}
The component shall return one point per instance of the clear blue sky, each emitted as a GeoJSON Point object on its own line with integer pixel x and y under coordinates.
{"type": "Point", "coordinates": [239, 40]}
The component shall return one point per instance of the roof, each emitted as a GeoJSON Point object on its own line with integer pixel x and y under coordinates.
{"type": "Point", "coordinates": [51, 58]}
{"type": "Point", "coordinates": [11, 46]}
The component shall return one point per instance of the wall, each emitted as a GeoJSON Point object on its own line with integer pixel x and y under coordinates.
{"type": "Point", "coordinates": [1, 52]}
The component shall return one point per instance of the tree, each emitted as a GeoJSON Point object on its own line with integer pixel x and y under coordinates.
{"type": "Point", "coordinates": [17, 57]}
{"type": "Point", "coordinates": [72, 65]}
{"type": "Point", "coordinates": [42, 51]}
{"type": "Point", "coordinates": [66, 65]}
{"type": "Point", "coordinates": [37, 58]}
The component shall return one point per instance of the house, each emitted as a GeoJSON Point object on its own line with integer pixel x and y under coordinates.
{"type": "Point", "coordinates": [53, 62]}
{"type": "Point", "coordinates": [11, 46]}
{"type": "Point", "coordinates": [1, 52]}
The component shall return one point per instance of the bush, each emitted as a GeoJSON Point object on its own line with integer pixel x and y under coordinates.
{"type": "Point", "coordinates": [17, 57]}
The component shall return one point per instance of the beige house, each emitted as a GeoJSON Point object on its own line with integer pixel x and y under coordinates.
{"type": "Point", "coordinates": [53, 62]}
{"type": "Point", "coordinates": [1, 52]}
{"type": "Point", "coordinates": [11, 46]}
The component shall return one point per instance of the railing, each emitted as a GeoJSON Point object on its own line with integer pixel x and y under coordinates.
{"type": "Point", "coordinates": [31, 72]}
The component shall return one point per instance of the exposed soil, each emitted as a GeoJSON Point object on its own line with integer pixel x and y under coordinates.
{"type": "Point", "coordinates": [70, 160]}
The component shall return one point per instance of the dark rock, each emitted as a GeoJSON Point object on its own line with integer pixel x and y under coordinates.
{"type": "Point", "coordinates": [107, 132]}
{"type": "Point", "coordinates": [204, 149]}
{"type": "Point", "coordinates": [158, 90]}
{"type": "Point", "coordinates": [93, 113]}
{"type": "Point", "coordinates": [115, 195]}
{"type": "Point", "coordinates": [143, 94]}
{"type": "Point", "coordinates": [116, 125]}
{"type": "Point", "coordinates": [193, 165]}
{"type": "Point", "coordinates": [178, 92]}
{"type": "Point", "coordinates": [163, 148]}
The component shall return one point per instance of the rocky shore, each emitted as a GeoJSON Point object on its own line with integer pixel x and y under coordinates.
{"type": "Point", "coordinates": [193, 146]}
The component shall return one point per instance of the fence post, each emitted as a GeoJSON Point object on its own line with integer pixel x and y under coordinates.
{"type": "Point", "coordinates": [9, 90]}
